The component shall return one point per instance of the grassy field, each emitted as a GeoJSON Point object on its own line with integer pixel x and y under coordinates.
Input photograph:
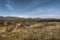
{"type": "Point", "coordinates": [36, 31]}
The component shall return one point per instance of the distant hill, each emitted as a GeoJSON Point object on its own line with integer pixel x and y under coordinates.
{"type": "Point", "coordinates": [36, 19]}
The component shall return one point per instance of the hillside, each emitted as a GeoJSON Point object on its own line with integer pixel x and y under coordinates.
{"type": "Point", "coordinates": [14, 28]}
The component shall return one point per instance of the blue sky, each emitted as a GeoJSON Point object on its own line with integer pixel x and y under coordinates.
{"type": "Point", "coordinates": [30, 8]}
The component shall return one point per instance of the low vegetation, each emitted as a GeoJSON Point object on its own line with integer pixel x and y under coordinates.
{"type": "Point", "coordinates": [29, 29]}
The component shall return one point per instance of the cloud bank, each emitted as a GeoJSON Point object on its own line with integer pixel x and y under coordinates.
{"type": "Point", "coordinates": [31, 8]}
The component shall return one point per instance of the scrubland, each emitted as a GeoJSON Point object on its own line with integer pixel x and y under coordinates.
{"type": "Point", "coordinates": [33, 30]}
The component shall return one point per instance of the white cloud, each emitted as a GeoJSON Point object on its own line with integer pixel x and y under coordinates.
{"type": "Point", "coordinates": [9, 7]}
{"type": "Point", "coordinates": [44, 13]}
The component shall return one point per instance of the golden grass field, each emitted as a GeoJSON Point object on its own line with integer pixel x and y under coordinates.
{"type": "Point", "coordinates": [37, 31]}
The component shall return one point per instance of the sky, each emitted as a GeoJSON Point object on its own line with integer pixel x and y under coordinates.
{"type": "Point", "coordinates": [30, 8]}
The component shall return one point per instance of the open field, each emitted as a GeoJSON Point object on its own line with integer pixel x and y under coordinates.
{"type": "Point", "coordinates": [29, 30]}
{"type": "Point", "coordinates": [34, 32]}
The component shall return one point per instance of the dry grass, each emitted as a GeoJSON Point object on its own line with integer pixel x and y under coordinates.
{"type": "Point", "coordinates": [51, 31]}
{"type": "Point", "coordinates": [2, 29]}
